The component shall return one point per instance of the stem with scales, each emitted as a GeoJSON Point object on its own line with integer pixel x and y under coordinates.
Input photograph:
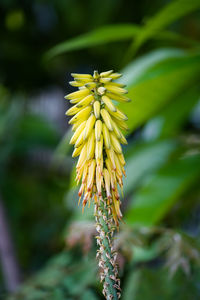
{"type": "Point", "coordinates": [107, 257]}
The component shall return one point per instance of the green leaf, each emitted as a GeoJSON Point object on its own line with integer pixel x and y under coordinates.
{"type": "Point", "coordinates": [66, 276]}
{"type": "Point", "coordinates": [131, 284]}
{"type": "Point", "coordinates": [174, 115]}
{"type": "Point", "coordinates": [155, 283]}
{"type": "Point", "coordinates": [135, 71]}
{"type": "Point", "coordinates": [169, 122]}
{"type": "Point", "coordinates": [97, 37]}
{"type": "Point", "coordinates": [154, 200]}
{"type": "Point", "coordinates": [157, 83]}
{"type": "Point", "coordinates": [108, 34]}
{"type": "Point", "coordinates": [82, 276]}
{"type": "Point", "coordinates": [145, 158]}
{"type": "Point", "coordinates": [141, 254]}
{"type": "Point", "coordinates": [166, 16]}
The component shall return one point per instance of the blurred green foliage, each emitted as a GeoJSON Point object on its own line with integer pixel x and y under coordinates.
{"type": "Point", "coordinates": [156, 47]}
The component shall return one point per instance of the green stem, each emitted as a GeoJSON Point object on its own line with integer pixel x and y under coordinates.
{"type": "Point", "coordinates": [107, 257]}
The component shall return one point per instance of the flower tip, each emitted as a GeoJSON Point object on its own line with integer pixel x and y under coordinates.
{"type": "Point", "coordinates": [96, 74]}
{"type": "Point", "coordinates": [84, 203]}
{"type": "Point", "coordinates": [101, 90]}
{"type": "Point", "coordinates": [107, 73]}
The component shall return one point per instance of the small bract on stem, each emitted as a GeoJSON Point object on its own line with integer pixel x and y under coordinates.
{"type": "Point", "coordinates": [98, 127]}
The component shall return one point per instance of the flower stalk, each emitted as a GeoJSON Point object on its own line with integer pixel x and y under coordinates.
{"type": "Point", "coordinates": [98, 127]}
{"type": "Point", "coordinates": [105, 254]}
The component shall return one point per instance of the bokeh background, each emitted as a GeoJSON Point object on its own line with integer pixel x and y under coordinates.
{"type": "Point", "coordinates": [47, 246]}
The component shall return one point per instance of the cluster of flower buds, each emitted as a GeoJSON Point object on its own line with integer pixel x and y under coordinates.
{"type": "Point", "coordinates": [98, 125]}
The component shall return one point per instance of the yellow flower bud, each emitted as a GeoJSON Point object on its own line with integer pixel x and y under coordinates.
{"type": "Point", "coordinates": [98, 129]}
{"type": "Point", "coordinates": [96, 107]}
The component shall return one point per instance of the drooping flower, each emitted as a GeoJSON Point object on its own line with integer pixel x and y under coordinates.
{"type": "Point", "coordinates": [98, 125]}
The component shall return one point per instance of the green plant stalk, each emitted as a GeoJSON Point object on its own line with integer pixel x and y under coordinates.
{"type": "Point", "coordinates": [107, 257]}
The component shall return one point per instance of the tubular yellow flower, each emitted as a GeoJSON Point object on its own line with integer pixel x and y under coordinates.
{"type": "Point", "coordinates": [106, 175]}
{"type": "Point", "coordinates": [72, 111]}
{"type": "Point", "coordinates": [85, 101]}
{"type": "Point", "coordinates": [115, 143]}
{"type": "Point", "coordinates": [91, 145]}
{"type": "Point", "coordinates": [77, 133]}
{"type": "Point", "coordinates": [116, 130]}
{"type": "Point", "coordinates": [76, 151]}
{"type": "Point", "coordinates": [109, 103]}
{"type": "Point", "coordinates": [81, 115]}
{"type": "Point", "coordinates": [98, 129]}
{"type": "Point", "coordinates": [107, 119]}
{"type": "Point", "coordinates": [97, 107]}
{"type": "Point", "coordinates": [97, 125]}
{"type": "Point", "coordinates": [116, 97]}
{"type": "Point", "coordinates": [106, 136]}
{"type": "Point", "coordinates": [89, 126]}
{"type": "Point", "coordinates": [78, 94]}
